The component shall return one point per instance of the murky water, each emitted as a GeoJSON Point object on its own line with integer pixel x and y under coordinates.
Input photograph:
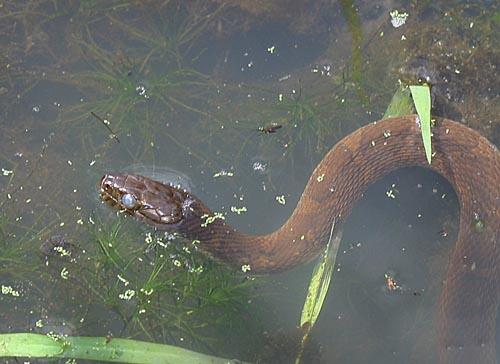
{"type": "Point", "coordinates": [243, 99]}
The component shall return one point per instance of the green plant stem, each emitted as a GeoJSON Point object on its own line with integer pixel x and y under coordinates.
{"type": "Point", "coordinates": [99, 348]}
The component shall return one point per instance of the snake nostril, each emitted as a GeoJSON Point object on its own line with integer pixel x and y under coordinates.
{"type": "Point", "coordinates": [106, 184]}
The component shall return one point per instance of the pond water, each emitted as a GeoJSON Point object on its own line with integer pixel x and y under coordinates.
{"type": "Point", "coordinates": [237, 101]}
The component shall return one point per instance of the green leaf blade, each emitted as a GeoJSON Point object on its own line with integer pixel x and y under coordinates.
{"type": "Point", "coordinates": [422, 100]}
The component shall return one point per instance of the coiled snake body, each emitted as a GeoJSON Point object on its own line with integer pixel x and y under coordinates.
{"type": "Point", "coordinates": [470, 294]}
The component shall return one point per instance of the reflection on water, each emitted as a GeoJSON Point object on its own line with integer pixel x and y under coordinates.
{"type": "Point", "coordinates": [185, 86]}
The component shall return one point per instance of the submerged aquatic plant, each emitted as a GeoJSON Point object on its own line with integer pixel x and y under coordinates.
{"type": "Point", "coordinates": [124, 94]}
{"type": "Point", "coordinates": [155, 83]}
{"type": "Point", "coordinates": [159, 39]}
{"type": "Point", "coordinates": [162, 288]}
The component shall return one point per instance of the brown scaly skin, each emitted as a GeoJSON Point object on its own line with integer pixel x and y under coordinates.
{"type": "Point", "coordinates": [470, 296]}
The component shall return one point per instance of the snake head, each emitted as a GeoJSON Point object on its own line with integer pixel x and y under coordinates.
{"type": "Point", "coordinates": [161, 205]}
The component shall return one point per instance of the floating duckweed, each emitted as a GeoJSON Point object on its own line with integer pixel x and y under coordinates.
{"type": "Point", "coordinates": [57, 337]}
{"type": "Point", "coordinates": [478, 225]}
{"type": "Point", "coordinates": [8, 290]}
{"type": "Point", "coordinates": [123, 280]}
{"type": "Point", "coordinates": [281, 199]}
{"type": "Point", "coordinates": [271, 49]}
{"type": "Point", "coordinates": [127, 295]}
{"type": "Point", "coordinates": [198, 269]}
{"type": "Point", "coordinates": [62, 252]}
{"type": "Point", "coordinates": [64, 273]}
{"type": "Point", "coordinates": [238, 210]}
{"type": "Point", "coordinates": [223, 173]}
{"type": "Point", "coordinates": [390, 193]}
{"type": "Point", "coordinates": [210, 219]}
{"type": "Point", "coordinates": [147, 292]}
{"type": "Point", "coordinates": [149, 238]}
{"type": "Point", "coordinates": [177, 263]}
{"type": "Point", "coordinates": [398, 19]}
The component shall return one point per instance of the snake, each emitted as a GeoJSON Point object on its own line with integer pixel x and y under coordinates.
{"type": "Point", "coordinates": [469, 298]}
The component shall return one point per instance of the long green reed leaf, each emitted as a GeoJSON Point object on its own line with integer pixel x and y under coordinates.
{"type": "Point", "coordinates": [99, 348]}
{"type": "Point", "coordinates": [318, 287]}
{"type": "Point", "coordinates": [422, 98]}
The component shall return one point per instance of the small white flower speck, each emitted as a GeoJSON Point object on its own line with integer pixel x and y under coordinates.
{"type": "Point", "coordinates": [246, 268]}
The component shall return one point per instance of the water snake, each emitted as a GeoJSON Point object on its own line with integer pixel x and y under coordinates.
{"type": "Point", "coordinates": [468, 304]}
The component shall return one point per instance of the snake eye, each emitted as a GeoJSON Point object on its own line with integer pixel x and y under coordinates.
{"type": "Point", "coordinates": [129, 201]}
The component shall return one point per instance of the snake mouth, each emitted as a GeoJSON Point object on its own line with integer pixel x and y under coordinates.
{"type": "Point", "coordinates": [109, 192]}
